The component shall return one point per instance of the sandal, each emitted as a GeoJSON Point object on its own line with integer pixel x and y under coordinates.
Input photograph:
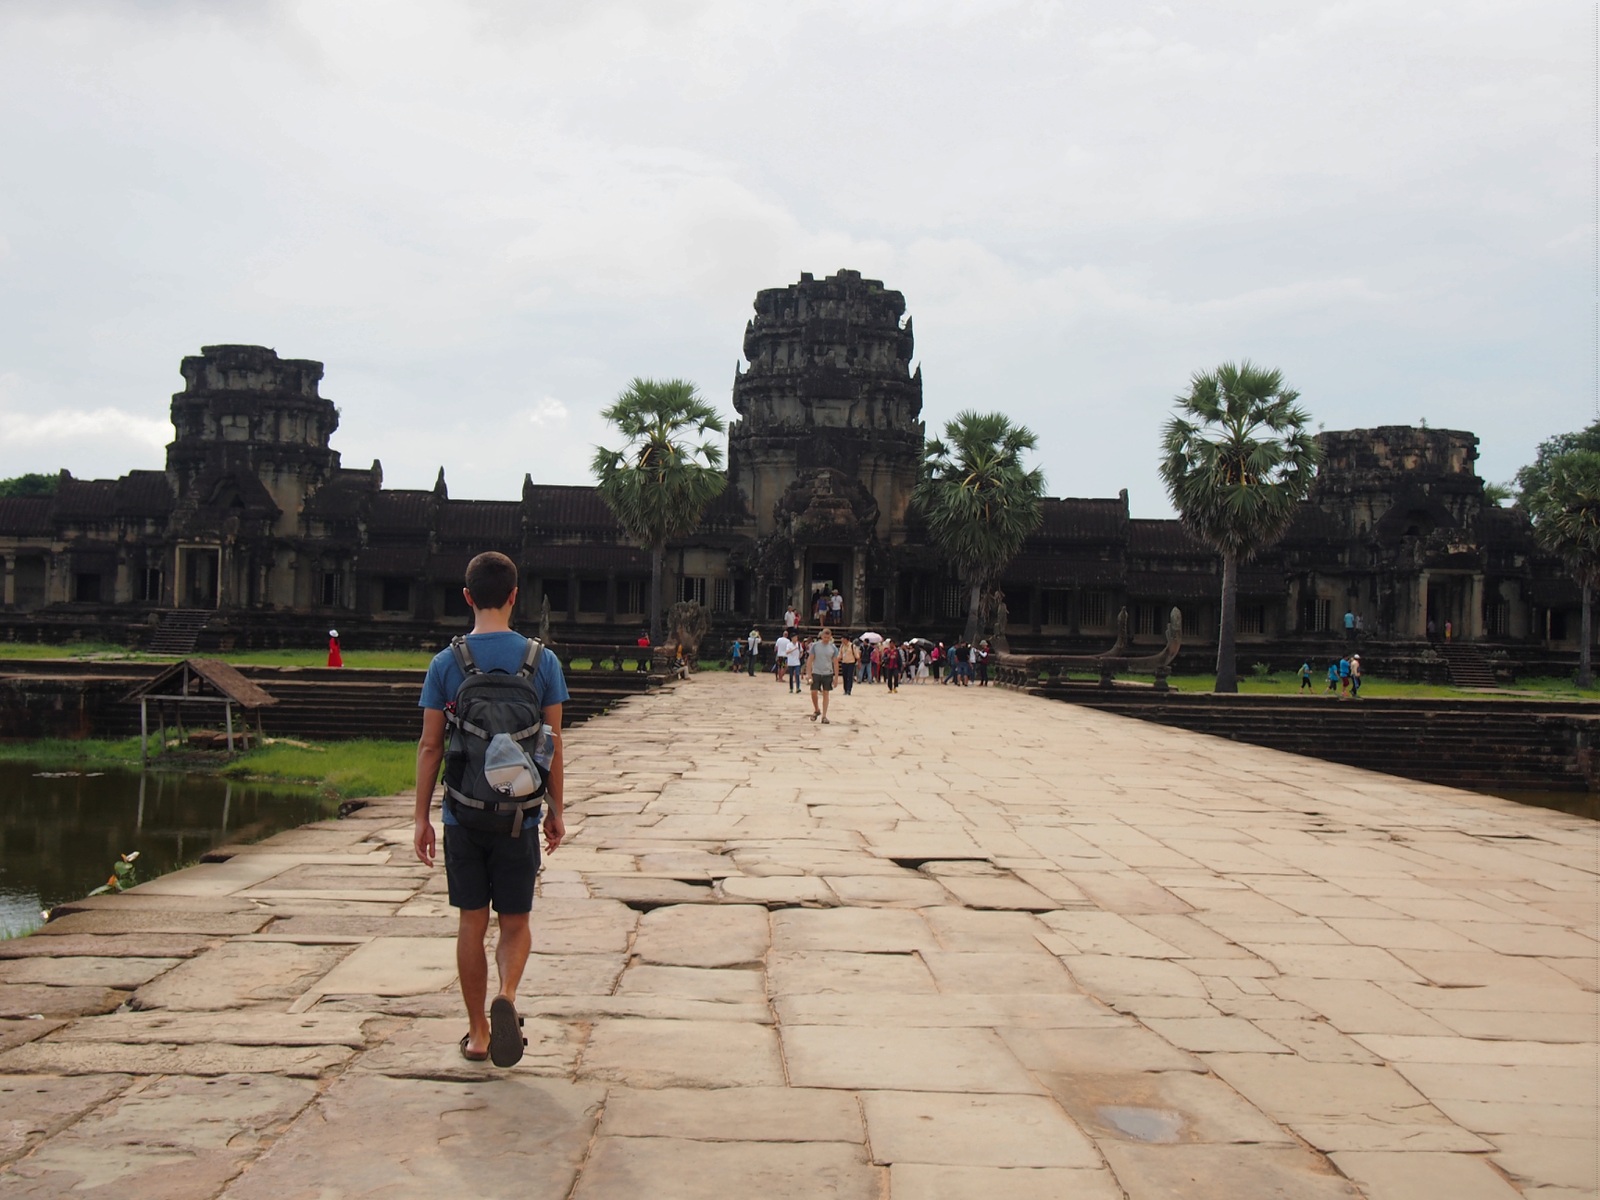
{"type": "Point", "coordinates": [505, 1033]}
{"type": "Point", "coordinates": [472, 1055]}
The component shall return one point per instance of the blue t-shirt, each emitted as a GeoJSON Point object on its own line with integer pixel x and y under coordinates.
{"type": "Point", "coordinates": [491, 651]}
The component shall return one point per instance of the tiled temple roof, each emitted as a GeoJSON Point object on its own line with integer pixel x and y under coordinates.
{"type": "Point", "coordinates": [1083, 520]}
{"type": "Point", "coordinates": [25, 516]}
{"type": "Point", "coordinates": [401, 511]}
{"type": "Point", "coordinates": [558, 506]}
{"type": "Point", "coordinates": [488, 521]}
{"type": "Point", "coordinates": [1148, 536]}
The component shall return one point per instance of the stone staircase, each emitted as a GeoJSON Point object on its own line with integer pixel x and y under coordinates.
{"type": "Point", "coordinates": [179, 630]}
{"type": "Point", "coordinates": [1467, 666]}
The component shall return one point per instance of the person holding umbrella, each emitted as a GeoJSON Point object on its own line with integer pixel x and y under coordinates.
{"type": "Point", "coordinates": [335, 658]}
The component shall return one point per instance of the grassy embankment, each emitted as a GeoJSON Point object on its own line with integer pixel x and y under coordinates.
{"type": "Point", "coordinates": [343, 769]}
{"type": "Point", "coordinates": [375, 660]}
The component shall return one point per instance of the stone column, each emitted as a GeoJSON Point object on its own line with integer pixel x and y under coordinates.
{"type": "Point", "coordinates": [1419, 608]}
{"type": "Point", "coordinates": [856, 612]}
{"type": "Point", "coordinates": [9, 598]}
{"type": "Point", "coordinates": [1474, 614]}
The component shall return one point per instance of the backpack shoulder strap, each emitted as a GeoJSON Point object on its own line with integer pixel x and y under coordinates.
{"type": "Point", "coordinates": [463, 655]}
{"type": "Point", "coordinates": [530, 658]}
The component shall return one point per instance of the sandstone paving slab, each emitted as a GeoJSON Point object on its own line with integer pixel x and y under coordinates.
{"type": "Point", "coordinates": [24, 1000]}
{"type": "Point", "coordinates": [34, 1107]}
{"type": "Point", "coordinates": [903, 1059]}
{"type": "Point", "coordinates": [279, 899]}
{"type": "Point", "coordinates": [873, 931]}
{"type": "Point", "coordinates": [1207, 1171]}
{"type": "Point", "coordinates": [1094, 932]}
{"type": "Point", "coordinates": [625, 1168]}
{"type": "Point", "coordinates": [159, 1058]}
{"type": "Point", "coordinates": [744, 1114]}
{"type": "Point", "coordinates": [85, 971]}
{"type": "Point", "coordinates": [116, 925]}
{"type": "Point", "coordinates": [236, 975]}
{"type": "Point", "coordinates": [965, 929]}
{"type": "Point", "coordinates": [908, 889]}
{"type": "Point", "coordinates": [1358, 1006]}
{"type": "Point", "coordinates": [921, 1181]}
{"type": "Point", "coordinates": [139, 901]}
{"type": "Point", "coordinates": [1457, 969]}
{"type": "Point", "coordinates": [1110, 977]}
{"type": "Point", "coordinates": [970, 1010]}
{"type": "Point", "coordinates": [1533, 1159]}
{"type": "Point", "coordinates": [1003, 973]}
{"type": "Point", "coordinates": [1402, 1176]}
{"type": "Point", "coordinates": [387, 966]}
{"type": "Point", "coordinates": [1412, 934]}
{"type": "Point", "coordinates": [1572, 1084]}
{"type": "Point", "coordinates": [311, 926]}
{"type": "Point", "coordinates": [1401, 1049]}
{"type": "Point", "coordinates": [1337, 962]}
{"type": "Point", "coordinates": [100, 945]}
{"type": "Point", "coordinates": [1495, 1118]}
{"type": "Point", "coordinates": [695, 983]}
{"type": "Point", "coordinates": [430, 1048]}
{"type": "Point", "coordinates": [726, 936]}
{"type": "Point", "coordinates": [176, 1138]}
{"type": "Point", "coordinates": [1125, 1048]}
{"type": "Point", "coordinates": [676, 1054]}
{"type": "Point", "coordinates": [1572, 1028]}
{"type": "Point", "coordinates": [664, 1008]}
{"type": "Point", "coordinates": [647, 890]}
{"type": "Point", "coordinates": [516, 1134]}
{"type": "Point", "coordinates": [808, 972]}
{"type": "Point", "coordinates": [1215, 1034]}
{"type": "Point", "coordinates": [778, 890]}
{"type": "Point", "coordinates": [1161, 1107]}
{"type": "Point", "coordinates": [250, 1027]}
{"type": "Point", "coordinates": [976, 1130]}
{"type": "Point", "coordinates": [217, 879]}
{"type": "Point", "coordinates": [1315, 1040]}
{"type": "Point", "coordinates": [997, 893]}
{"type": "Point", "coordinates": [17, 1031]}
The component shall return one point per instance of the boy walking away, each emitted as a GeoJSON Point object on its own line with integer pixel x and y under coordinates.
{"type": "Point", "coordinates": [836, 602]}
{"type": "Point", "coordinates": [792, 659]}
{"type": "Point", "coordinates": [824, 656]}
{"type": "Point", "coordinates": [1333, 677]}
{"type": "Point", "coordinates": [1344, 679]}
{"type": "Point", "coordinates": [752, 652]}
{"type": "Point", "coordinates": [1305, 677]}
{"type": "Point", "coordinates": [497, 696]}
{"type": "Point", "coordinates": [780, 655]}
{"type": "Point", "coordinates": [1355, 677]}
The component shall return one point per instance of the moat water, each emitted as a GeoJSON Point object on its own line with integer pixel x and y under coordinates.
{"type": "Point", "coordinates": [60, 832]}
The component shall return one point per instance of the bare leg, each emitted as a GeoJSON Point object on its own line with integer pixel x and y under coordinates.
{"type": "Point", "coordinates": [511, 955]}
{"type": "Point", "coordinates": [472, 967]}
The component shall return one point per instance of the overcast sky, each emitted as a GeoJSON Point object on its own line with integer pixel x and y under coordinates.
{"type": "Point", "coordinates": [486, 216]}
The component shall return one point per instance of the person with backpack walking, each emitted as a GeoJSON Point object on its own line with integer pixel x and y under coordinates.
{"type": "Point", "coordinates": [849, 657]}
{"type": "Point", "coordinates": [497, 697]}
{"type": "Point", "coordinates": [752, 652]}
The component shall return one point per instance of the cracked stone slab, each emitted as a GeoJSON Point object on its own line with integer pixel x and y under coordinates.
{"type": "Point", "coordinates": [676, 1054]}
{"type": "Point", "coordinates": [429, 1048]}
{"type": "Point", "coordinates": [902, 1059]}
{"type": "Point", "coordinates": [145, 921]}
{"type": "Point", "coordinates": [216, 880]}
{"type": "Point", "coordinates": [626, 1168]}
{"type": "Point", "coordinates": [100, 945]}
{"type": "Point", "coordinates": [421, 1137]}
{"type": "Point", "coordinates": [1098, 1050]}
{"type": "Point", "coordinates": [920, 1181]}
{"type": "Point", "coordinates": [870, 930]}
{"type": "Point", "coordinates": [1225, 1172]}
{"type": "Point", "coordinates": [810, 972]}
{"type": "Point", "coordinates": [948, 1012]}
{"type": "Point", "coordinates": [387, 966]}
{"type": "Point", "coordinates": [156, 1058]}
{"type": "Point", "coordinates": [83, 971]}
{"type": "Point", "coordinates": [251, 1027]}
{"type": "Point", "coordinates": [168, 1139]}
{"type": "Point", "coordinates": [735, 986]}
{"type": "Point", "coordinates": [978, 1131]}
{"type": "Point", "coordinates": [235, 975]}
{"type": "Point", "coordinates": [1192, 1107]}
{"type": "Point", "coordinates": [34, 1107]}
{"type": "Point", "coordinates": [746, 1114]}
{"type": "Point", "coordinates": [786, 890]}
{"type": "Point", "coordinates": [1400, 1176]}
{"type": "Point", "coordinates": [726, 936]}
{"type": "Point", "coordinates": [24, 1000]}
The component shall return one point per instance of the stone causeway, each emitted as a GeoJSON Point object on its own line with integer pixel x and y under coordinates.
{"type": "Point", "coordinates": [955, 943]}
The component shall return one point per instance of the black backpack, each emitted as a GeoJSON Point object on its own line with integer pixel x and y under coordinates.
{"type": "Point", "coordinates": [496, 763]}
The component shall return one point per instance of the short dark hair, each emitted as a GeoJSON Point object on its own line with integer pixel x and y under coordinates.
{"type": "Point", "coordinates": [491, 578]}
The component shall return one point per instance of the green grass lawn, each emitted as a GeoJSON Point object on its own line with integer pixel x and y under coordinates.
{"type": "Point", "coordinates": [1375, 686]}
{"type": "Point", "coordinates": [394, 660]}
{"type": "Point", "coordinates": [343, 769]}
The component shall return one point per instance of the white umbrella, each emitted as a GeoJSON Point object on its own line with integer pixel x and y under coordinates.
{"type": "Point", "coordinates": [919, 642]}
{"type": "Point", "coordinates": [872, 637]}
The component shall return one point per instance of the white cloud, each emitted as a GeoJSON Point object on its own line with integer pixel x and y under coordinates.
{"type": "Point", "coordinates": [549, 411]}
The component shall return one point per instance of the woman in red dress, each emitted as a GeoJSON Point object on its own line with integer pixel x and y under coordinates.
{"type": "Point", "coordinates": [335, 659]}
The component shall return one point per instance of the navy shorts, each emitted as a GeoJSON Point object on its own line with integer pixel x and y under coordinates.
{"type": "Point", "coordinates": [484, 868]}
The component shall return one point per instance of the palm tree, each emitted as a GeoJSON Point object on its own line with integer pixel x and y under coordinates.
{"type": "Point", "coordinates": [979, 502]}
{"type": "Point", "coordinates": [658, 485]}
{"type": "Point", "coordinates": [1236, 459]}
{"type": "Point", "coordinates": [1565, 511]}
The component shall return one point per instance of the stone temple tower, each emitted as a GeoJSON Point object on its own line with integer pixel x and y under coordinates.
{"type": "Point", "coordinates": [829, 440]}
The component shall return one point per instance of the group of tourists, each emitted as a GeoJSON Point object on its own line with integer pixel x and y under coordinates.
{"type": "Point", "coordinates": [1343, 677]}
{"type": "Point", "coordinates": [869, 659]}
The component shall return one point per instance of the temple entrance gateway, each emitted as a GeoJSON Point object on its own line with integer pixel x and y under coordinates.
{"type": "Point", "coordinates": [829, 572]}
{"type": "Point", "coordinates": [200, 570]}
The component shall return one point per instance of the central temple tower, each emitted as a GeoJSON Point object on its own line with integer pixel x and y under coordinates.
{"type": "Point", "coordinates": [829, 440]}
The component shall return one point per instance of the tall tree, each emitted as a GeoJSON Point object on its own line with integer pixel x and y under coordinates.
{"type": "Point", "coordinates": [29, 485]}
{"type": "Point", "coordinates": [1537, 473]}
{"type": "Point", "coordinates": [1236, 459]}
{"type": "Point", "coordinates": [1565, 510]}
{"type": "Point", "coordinates": [979, 501]}
{"type": "Point", "coordinates": [659, 483]}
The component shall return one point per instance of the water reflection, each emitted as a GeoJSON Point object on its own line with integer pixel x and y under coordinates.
{"type": "Point", "coordinates": [60, 833]}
